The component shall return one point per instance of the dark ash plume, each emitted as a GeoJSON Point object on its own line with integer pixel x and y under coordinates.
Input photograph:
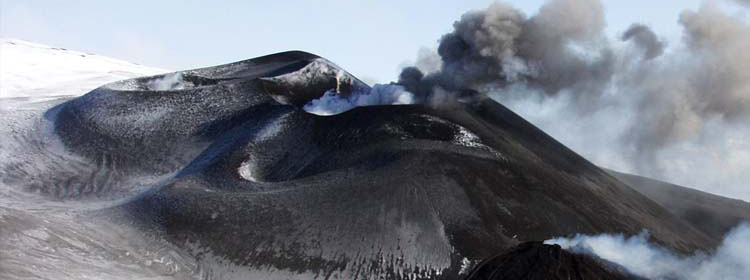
{"type": "Point", "coordinates": [646, 39]}
{"type": "Point", "coordinates": [668, 97]}
{"type": "Point", "coordinates": [500, 46]}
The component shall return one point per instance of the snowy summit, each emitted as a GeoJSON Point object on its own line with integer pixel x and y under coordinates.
{"type": "Point", "coordinates": [34, 70]}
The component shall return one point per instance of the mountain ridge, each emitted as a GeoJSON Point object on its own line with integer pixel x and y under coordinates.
{"type": "Point", "coordinates": [251, 184]}
{"type": "Point", "coordinates": [334, 195]}
{"type": "Point", "coordinates": [713, 214]}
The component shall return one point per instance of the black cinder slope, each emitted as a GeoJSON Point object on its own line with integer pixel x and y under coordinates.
{"type": "Point", "coordinates": [161, 122]}
{"type": "Point", "coordinates": [259, 188]}
{"type": "Point", "coordinates": [715, 215]}
{"type": "Point", "coordinates": [538, 261]}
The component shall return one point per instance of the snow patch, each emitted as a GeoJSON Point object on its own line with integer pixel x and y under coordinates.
{"type": "Point", "coordinates": [319, 70]}
{"type": "Point", "coordinates": [270, 130]}
{"type": "Point", "coordinates": [466, 266]}
{"type": "Point", "coordinates": [464, 137]}
{"type": "Point", "coordinates": [33, 70]}
{"type": "Point", "coordinates": [246, 171]}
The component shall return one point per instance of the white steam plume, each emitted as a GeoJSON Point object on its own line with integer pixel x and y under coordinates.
{"type": "Point", "coordinates": [730, 261]}
{"type": "Point", "coordinates": [332, 102]}
{"type": "Point", "coordinates": [171, 81]}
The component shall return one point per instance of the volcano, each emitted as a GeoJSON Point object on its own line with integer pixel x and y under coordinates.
{"type": "Point", "coordinates": [225, 165]}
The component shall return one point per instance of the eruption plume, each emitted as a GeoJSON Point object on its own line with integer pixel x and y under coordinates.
{"type": "Point", "coordinates": [647, 101]}
{"type": "Point", "coordinates": [650, 108]}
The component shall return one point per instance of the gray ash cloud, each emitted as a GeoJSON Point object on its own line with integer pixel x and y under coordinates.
{"type": "Point", "coordinates": [668, 94]}
{"type": "Point", "coordinates": [499, 46]}
{"type": "Point", "coordinates": [645, 38]}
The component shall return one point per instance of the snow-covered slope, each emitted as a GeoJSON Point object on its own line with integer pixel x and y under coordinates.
{"type": "Point", "coordinates": [34, 70]}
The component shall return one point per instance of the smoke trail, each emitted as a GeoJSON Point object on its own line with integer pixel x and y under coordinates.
{"type": "Point", "coordinates": [730, 260]}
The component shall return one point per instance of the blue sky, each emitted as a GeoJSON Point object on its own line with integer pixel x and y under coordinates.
{"type": "Point", "coordinates": [371, 39]}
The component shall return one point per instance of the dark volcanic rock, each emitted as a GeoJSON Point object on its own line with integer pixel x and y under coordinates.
{"type": "Point", "coordinates": [255, 187]}
{"type": "Point", "coordinates": [538, 261]}
{"type": "Point", "coordinates": [715, 215]}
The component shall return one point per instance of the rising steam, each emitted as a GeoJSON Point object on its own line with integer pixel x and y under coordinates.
{"type": "Point", "coordinates": [171, 81]}
{"type": "Point", "coordinates": [332, 102]}
{"type": "Point", "coordinates": [647, 108]}
{"type": "Point", "coordinates": [652, 105]}
{"type": "Point", "coordinates": [730, 261]}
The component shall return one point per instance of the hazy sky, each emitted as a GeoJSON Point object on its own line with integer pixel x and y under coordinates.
{"type": "Point", "coordinates": [371, 39]}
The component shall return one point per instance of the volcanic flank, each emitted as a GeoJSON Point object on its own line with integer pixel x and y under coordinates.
{"type": "Point", "coordinates": [534, 260]}
{"type": "Point", "coordinates": [253, 186]}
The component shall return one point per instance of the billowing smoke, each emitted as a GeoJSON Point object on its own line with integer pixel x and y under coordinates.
{"type": "Point", "coordinates": [500, 46]}
{"type": "Point", "coordinates": [560, 49]}
{"type": "Point", "coordinates": [646, 39]}
{"type": "Point", "coordinates": [730, 261]}
{"type": "Point", "coordinates": [676, 97]}
{"type": "Point", "coordinates": [653, 105]}
{"type": "Point", "coordinates": [630, 103]}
